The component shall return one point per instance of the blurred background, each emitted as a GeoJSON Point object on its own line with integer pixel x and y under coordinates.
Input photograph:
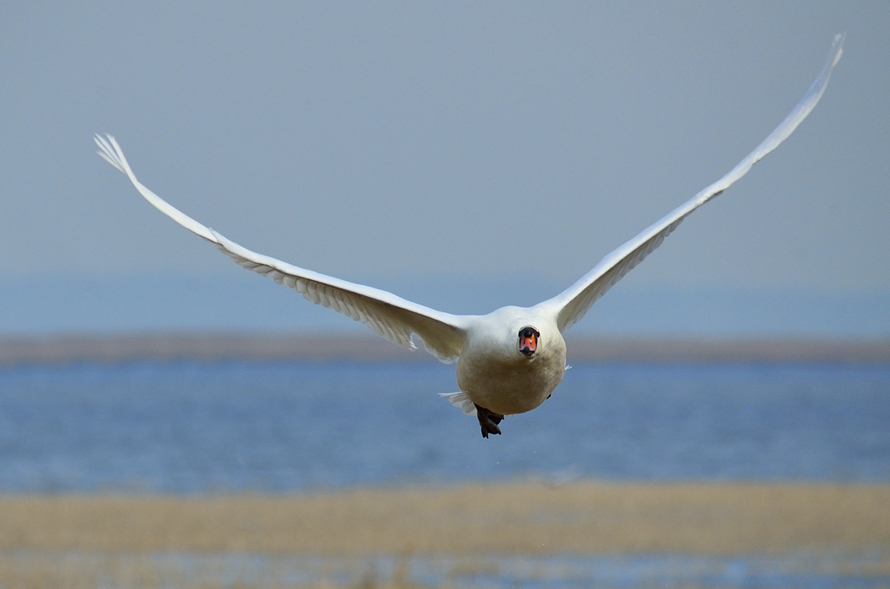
{"type": "Point", "coordinates": [168, 419]}
{"type": "Point", "coordinates": [414, 147]}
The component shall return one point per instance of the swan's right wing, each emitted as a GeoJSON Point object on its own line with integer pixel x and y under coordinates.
{"type": "Point", "coordinates": [571, 305]}
{"type": "Point", "coordinates": [386, 314]}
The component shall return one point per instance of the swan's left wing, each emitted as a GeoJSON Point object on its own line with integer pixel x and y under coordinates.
{"type": "Point", "coordinates": [571, 305]}
{"type": "Point", "coordinates": [386, 314]}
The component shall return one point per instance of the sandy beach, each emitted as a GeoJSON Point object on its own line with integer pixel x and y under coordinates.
{"type": "Point", "coordinates": [315, 347]}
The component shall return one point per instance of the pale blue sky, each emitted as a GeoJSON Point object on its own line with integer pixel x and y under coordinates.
{"type": "Point", "coordinates": [416, 146]}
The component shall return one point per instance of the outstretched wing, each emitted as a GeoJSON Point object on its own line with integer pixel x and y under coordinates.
{"type": "Point", "coordinates": [386, 314]}
{"type": "Point", "coordinates": [571, 305]}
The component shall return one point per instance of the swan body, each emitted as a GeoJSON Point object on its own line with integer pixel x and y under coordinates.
{"type": "Point", "coordinates": [492, 372]}
{"type": "Point", "coordinates": [512, 359]}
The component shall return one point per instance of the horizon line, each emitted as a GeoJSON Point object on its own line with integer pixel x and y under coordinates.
{"type": "Point", "coordinates": [316, 346]}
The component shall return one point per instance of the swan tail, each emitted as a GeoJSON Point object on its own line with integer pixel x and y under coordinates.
{"type": "Point", "coordinates": [461, 401]}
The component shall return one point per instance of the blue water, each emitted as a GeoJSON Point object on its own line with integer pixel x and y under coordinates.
{"type": "Point", "coordinates": [630, 571]}
{"type": "Point", "coordinates": [191, 428]}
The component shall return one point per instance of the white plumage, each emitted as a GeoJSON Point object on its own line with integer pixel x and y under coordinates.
{"type": "Point", "coordinates": [495, 376]}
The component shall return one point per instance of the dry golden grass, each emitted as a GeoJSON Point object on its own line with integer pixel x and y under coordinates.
{"type": "Point", "coordinates": [79, 571]}
{"type": "Point", "coordinates": [514, 518]}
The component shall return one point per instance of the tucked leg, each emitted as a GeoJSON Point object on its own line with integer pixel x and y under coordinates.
{"type": "Point", "coordinates": [488, 421]}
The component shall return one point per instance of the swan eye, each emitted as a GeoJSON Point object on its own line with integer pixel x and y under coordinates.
{"type": "Point", "coordinates": [528, 340]}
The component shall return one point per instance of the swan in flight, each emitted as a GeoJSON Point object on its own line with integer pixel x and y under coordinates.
{"type": "Point", "coordinates": [512, 359]}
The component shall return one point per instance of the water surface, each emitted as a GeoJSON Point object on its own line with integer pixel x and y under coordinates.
{"type": "Point", "coordinates": [279, 427]}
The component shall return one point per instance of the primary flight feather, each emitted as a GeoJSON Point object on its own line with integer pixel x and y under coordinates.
{"type": "Point", "coordinates": [512, 359]}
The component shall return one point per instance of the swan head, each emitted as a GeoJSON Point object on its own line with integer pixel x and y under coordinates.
{"type": "Point", "coordinates": [528, 340]}
{"type": "Point", "coordinates": [513, 336]}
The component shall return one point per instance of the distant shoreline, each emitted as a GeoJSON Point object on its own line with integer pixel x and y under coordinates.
{"type": "Point", "coordinates": [313, 347]}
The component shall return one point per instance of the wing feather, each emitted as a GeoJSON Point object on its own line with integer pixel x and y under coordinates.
{"type": "Point", "coordinates": [571, 305]}
{"type": "Point", "coordinates": [386, 314]}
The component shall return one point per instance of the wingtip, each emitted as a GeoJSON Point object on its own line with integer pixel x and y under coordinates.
{"type": "Point", "coordinates": [111, 152]}
{"type": "Point", "coordinates": [837, 47]}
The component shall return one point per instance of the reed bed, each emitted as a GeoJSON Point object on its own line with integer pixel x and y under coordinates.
{"type": "Point", "coordinates": [376, 538]}
{"type": "Point", "coordinates": [524, 518]}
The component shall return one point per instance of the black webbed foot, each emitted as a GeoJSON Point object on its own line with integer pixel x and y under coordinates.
{"type": "Point", "coordinates": [488, 421]}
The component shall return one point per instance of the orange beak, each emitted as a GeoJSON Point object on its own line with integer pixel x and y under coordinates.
{"type": "Point", "coordinates": [528, 344]}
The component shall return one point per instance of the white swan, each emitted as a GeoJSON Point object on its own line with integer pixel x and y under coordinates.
{"type": "Point", "coordinates": [508, 361]}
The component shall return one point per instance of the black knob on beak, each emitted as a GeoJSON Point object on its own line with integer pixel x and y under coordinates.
{"type": "Point", "coordinates": [528, 340]}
